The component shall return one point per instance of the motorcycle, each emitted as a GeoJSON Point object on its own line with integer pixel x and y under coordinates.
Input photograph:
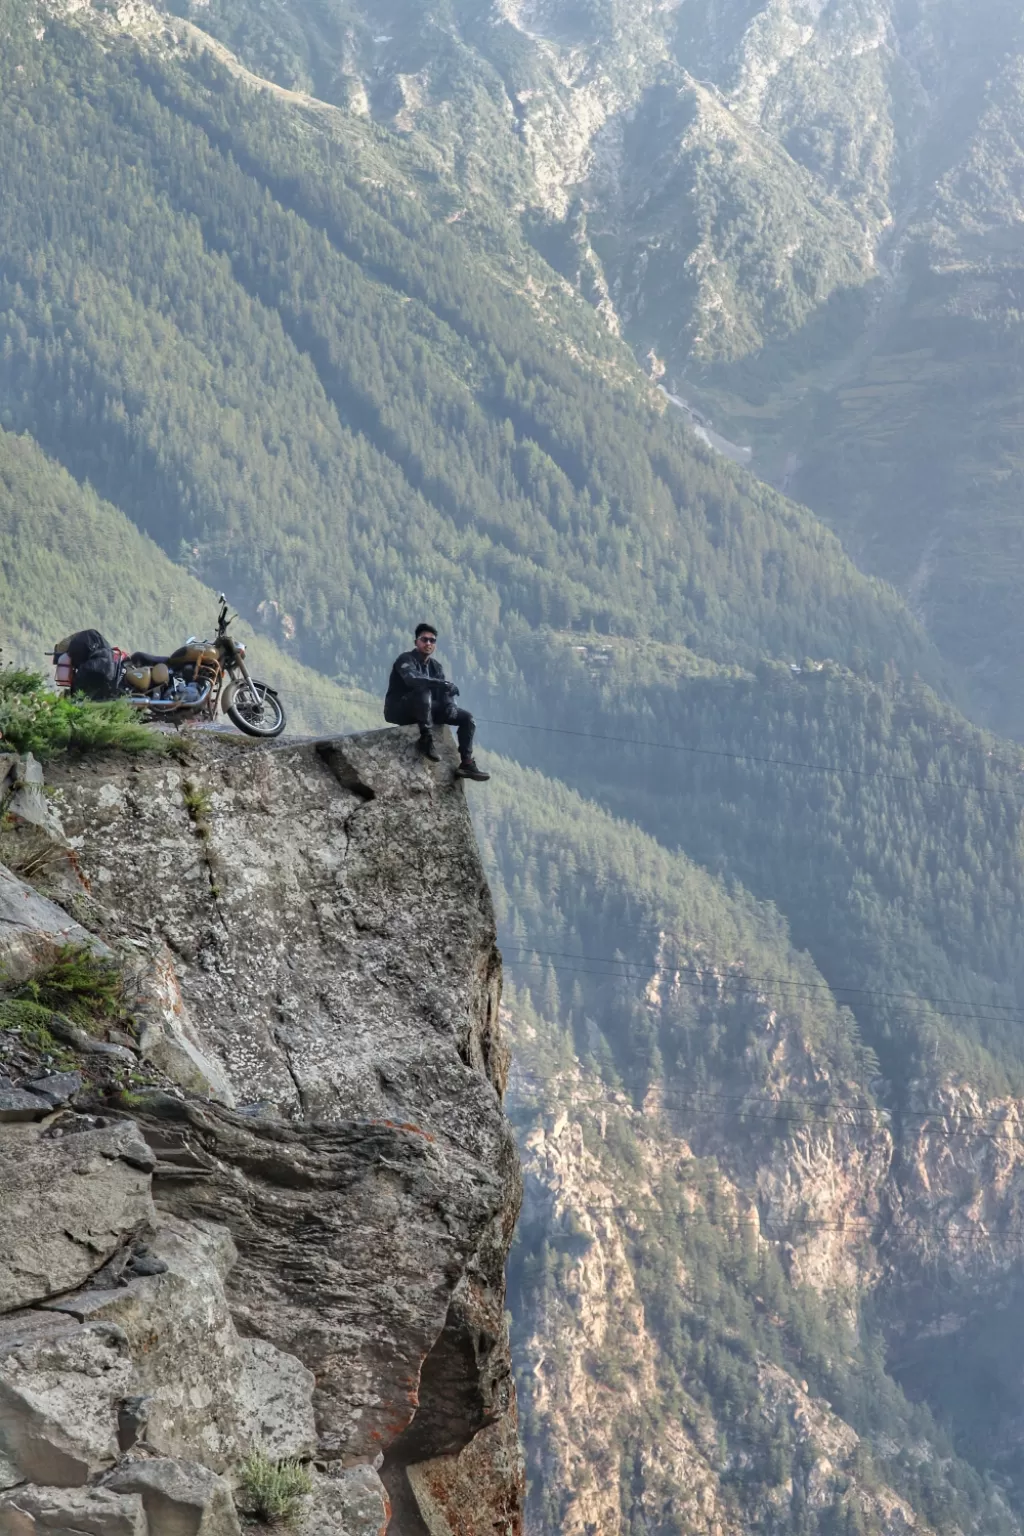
{"type": "Point", "coordinates": [193, 683]}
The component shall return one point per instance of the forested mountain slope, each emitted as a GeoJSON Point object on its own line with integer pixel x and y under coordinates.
{"type": "Point", "coordinates": [718, 1180]}
{"type": "Point", "coordinates": [252, 329]}
{"type": "Point", "coordinates": [69, 560]}
{"type": "Point", "coordinates": [261, 342]}
{"type": "Point", "coordinates": [810, 214]}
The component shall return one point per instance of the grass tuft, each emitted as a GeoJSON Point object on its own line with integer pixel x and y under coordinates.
{"type": "Point", "coordinates": [198, 804]}
{"type": "Point", "coordinates": [35, 719]}
{"type": "Point", "coordinates": [274, 1489]}
{"type": "Point", "coordinates": [79, 984]}
{"type": "Point", "coordinates": [31, 1021]}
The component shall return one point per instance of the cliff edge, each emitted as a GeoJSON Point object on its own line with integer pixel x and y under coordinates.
{"type": "Point", "coordinates": [258, 1184]}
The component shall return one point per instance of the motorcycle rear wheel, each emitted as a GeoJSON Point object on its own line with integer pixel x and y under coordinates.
{"type": "Point", "coordinates": [257, 710]}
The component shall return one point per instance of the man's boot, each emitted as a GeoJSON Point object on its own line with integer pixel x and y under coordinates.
{"type": "Point", "coordinates": [468, 769]}
{"type": "Point", "coordinates": [426, 746]}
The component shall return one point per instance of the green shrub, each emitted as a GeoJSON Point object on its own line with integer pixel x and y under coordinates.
{"type": "Point", "coordinates": [273, 1489]}
{"type": "Point", "coordinates": [30, 1021]}
{"type": "Point", "coordinates": [35, 719]}
{"type": "Point", "coordinates": [79, 984]}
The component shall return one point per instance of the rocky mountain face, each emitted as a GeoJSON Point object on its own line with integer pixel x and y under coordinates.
{"type": "Point", "coordinates": [258, 1187]}
{"type": "Point", "coordinates": [659, 1246]}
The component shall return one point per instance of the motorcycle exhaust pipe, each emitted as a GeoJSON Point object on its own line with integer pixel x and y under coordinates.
{"type": "Point", "coordinates": [167, 706]}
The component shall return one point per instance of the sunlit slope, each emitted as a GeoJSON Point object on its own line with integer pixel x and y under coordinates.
{"type": "Point", "coordinates": [69, 560]}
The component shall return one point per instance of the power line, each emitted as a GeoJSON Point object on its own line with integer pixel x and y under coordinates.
{"type": "Point", "coordinates": [632, 970]}
{"type": "Point", "coordinates": [724, 965]}
{"type": "Point", "coordinates": [804, 1111]}
{"type": "Point", "coordinates": [752, 757]}
{"type": "Point", "coordinates": [746, 757]}
{"type": "Point", "coordinates": [636, 974]}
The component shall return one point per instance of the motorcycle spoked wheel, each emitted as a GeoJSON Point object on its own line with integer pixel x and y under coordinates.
{"type": "Point", "coordinates": [256, 709]}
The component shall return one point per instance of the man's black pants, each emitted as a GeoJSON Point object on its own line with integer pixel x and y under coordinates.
{"type": "Point", "coordinates": [427, 708]}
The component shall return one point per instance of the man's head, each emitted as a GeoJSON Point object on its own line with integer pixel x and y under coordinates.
{"type": "Point", "coordinates": [426, 639]}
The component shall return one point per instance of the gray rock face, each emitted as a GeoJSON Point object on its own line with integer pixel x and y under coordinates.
{"type": "Point", "coordinates": [333, 942]}
{"type": "Point", "coordinates": [346, 964]}
{"type": "Point", "coordinates": [59, 1389]}
{"type": "Point", "coordinates": [71, 1512]}
{"type": "Point", "coordinates": [181, 1498]}
{"type": "Point", "coordinates": [71, 1195]}
{"type": "Point", "coordinates": [320, 1273]}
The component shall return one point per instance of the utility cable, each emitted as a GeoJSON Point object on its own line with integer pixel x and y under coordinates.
{"type": "Point", "coordinates": [747, 757]}
{"type": "Point", "coordinates": [751, 757]}
{"type": "Point", "coordinates": [724, 965]}
{"type": "Point", "coordinates": [753, 985]}
{"type": "Point", "coordinates": [975, 1015]}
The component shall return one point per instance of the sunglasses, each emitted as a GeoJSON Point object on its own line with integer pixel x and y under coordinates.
{"type": "Point", "coordinates": [429, 639]}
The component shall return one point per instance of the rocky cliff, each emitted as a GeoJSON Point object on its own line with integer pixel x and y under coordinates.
{"type": "Point", "coordinates": [257, 1181]}
{"type": "Point", "coordinates": [693, 1288]}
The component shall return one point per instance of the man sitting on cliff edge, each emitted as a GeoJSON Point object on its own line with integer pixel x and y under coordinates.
{"type": "Point", "coordinates": [420, 694]}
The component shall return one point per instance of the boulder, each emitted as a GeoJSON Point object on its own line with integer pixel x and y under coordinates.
{"type": "Point", "coordinates": [181, 1498]}
{"type": "Point", "coordinates": [33, 929]}
{"type": "Point", "coordinates": [72, 1193]}
{"type": "Point", "coordinates": [209, 1395]}
{"type": "Point", "coordinates": [33, 1511]}
{"type": "Point", "coordinates": [60, 1384]}
{"type": "Point", "coordinates": [353, 1502]}
{"type": "Point", "coordinates": [56, 1088]}
{"type": "Point", "coordinates": [276, 1402]}
{"type": "Point", "coordinates": [18, 1104]}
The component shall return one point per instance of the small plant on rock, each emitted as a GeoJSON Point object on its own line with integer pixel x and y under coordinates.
{"type": "Point", "coordinates": [273, 1490]}
{"type": "Point", "coordinates": [199, 805]}
{"type": "Point", "coordinates": [78, 991]}
{"type": "Point", "coordinates": [35, 719]}
{"type": "Point", "coordinates": [83, 986]}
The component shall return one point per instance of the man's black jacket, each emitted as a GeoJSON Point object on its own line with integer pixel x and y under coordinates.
{"type": "Point", "coordinates": [411, 672]}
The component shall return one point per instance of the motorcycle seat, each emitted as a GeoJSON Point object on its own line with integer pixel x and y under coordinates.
{"type": "Point", "coordinates": [144, 659]}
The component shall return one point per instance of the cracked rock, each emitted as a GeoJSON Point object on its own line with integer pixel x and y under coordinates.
{"type": "Point", "coordinates": [59, 1391]}
{"type": "Point", "coordinates": [68, 1204]}
{"type": "Point", "coordinates": [181, 1498]}
{"type": "Point", "coordinates": [34, 1511]}
{"type": "Point", "coordinates": [203, 1393]}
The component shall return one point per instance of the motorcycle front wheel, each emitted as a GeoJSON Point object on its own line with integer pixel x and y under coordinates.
{"type": "Point", "coordinates": [256, 709]}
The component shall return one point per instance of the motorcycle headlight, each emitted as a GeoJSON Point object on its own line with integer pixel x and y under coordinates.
{"type": "Point", "coordinates": [241, 651]}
